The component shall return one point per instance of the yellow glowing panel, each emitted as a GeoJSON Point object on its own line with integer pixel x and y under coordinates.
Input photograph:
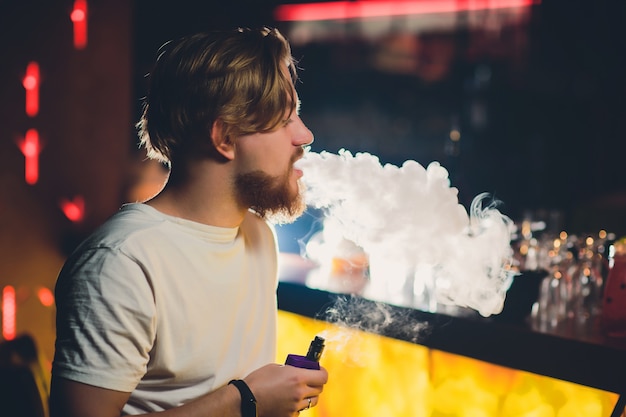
{"type": "Point", "coordinates": [377, 376]}
{"type": "Point", "coordinates": [369, 375]}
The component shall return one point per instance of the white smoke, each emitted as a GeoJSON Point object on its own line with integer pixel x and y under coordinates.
{"type": "Point", "coordinates": [410, 216]}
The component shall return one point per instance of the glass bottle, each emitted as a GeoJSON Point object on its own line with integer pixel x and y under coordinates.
{"type": "Point", "coordinates": [614, 300]}
{"type": "Point", "coordinates": [588, 280]}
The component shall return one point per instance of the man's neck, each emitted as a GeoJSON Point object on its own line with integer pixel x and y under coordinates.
{"type": "Point", "coordinates": [205, 196]}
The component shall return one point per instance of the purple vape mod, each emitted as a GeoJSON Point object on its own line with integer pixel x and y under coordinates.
{"type": "Point", "coordinates": [312, 358]}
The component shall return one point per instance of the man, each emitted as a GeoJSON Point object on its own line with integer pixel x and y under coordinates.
{"type": "Point", "coordinates": [170, 307]}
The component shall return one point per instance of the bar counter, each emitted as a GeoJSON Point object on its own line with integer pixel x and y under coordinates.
{"type": "Point", "coordinates": [578, 354]}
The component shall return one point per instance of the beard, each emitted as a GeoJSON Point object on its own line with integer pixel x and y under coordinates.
{"type": "Point", "coordinates": [270, 197]}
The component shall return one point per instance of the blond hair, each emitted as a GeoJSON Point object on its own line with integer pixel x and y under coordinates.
{"type": "Point", "coordinates": [234, 76]}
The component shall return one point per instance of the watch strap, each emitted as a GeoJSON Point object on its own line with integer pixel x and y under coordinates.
{"type": "Point", "coordinates": [248, 401]}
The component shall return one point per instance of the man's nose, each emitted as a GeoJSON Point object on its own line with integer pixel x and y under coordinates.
{"type": "Point", "coordinates": [303, 136]}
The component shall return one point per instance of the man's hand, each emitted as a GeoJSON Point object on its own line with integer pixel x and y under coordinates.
{"type": "Point", "coordinates": [283, 390]}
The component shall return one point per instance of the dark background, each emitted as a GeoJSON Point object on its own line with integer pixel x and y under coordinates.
{"type": "Point", "coordinates": [550, 136]}
{"type": "Point", "coordinates": [540, 104]}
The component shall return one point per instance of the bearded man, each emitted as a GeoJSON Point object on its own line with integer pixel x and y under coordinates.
{"type": "Point", "coordinates": [169, 308]}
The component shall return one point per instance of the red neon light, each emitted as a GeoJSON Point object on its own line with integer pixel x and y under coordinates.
{"type": "Point", "coordinates": [74, 209]}
{"type": "Point", "coordinates": [8, 312]}
{"type": "Point", "coordinates": [45, 296]}
{"type": "Point", "coordinates": [31, 84]}
{"type": "Point", "coordinates": [79, 18]}
{"type": "Point", "coordinates": [338, 10]}
{"type": "Point", "coordinates": [31, 148]}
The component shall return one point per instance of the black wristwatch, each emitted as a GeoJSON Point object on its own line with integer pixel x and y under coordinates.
{"type": "Point", "coordinates": [248, 402]}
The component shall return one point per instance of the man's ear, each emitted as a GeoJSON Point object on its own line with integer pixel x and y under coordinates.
{"type": "Point", "coordinates": [221, 141]}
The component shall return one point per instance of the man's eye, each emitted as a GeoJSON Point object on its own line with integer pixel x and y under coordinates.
{"type": "Point", "coordinates": [286, 122]}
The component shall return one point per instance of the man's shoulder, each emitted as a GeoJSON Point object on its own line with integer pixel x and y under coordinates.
{"type": "Point", "coordinates": [253, 221]}
{"type": "Point", "coordinates": [258, 229]}
{"type": "Point", "coordinates": [130, 221]}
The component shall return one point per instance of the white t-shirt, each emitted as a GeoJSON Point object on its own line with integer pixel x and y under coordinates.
{"type": "Point", "coordinates": [165, 308]}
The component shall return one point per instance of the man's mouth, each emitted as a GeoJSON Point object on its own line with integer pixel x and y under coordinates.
{"type": "Point", "coordinates": [294, 162]}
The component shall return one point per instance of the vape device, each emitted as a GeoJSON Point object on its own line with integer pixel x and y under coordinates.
{"type": "Point", "coordinates": [312, 358]}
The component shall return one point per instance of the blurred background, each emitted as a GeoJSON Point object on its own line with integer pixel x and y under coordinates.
{"type": "Point", "coordinates": [525, 100]}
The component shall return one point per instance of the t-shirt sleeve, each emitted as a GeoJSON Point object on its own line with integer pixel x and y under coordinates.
{"type": "Point", "coordinates": [105, 320]}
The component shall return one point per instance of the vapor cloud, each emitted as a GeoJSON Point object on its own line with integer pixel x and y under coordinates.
{"type": "Point", "coordinates": [409, 215]}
